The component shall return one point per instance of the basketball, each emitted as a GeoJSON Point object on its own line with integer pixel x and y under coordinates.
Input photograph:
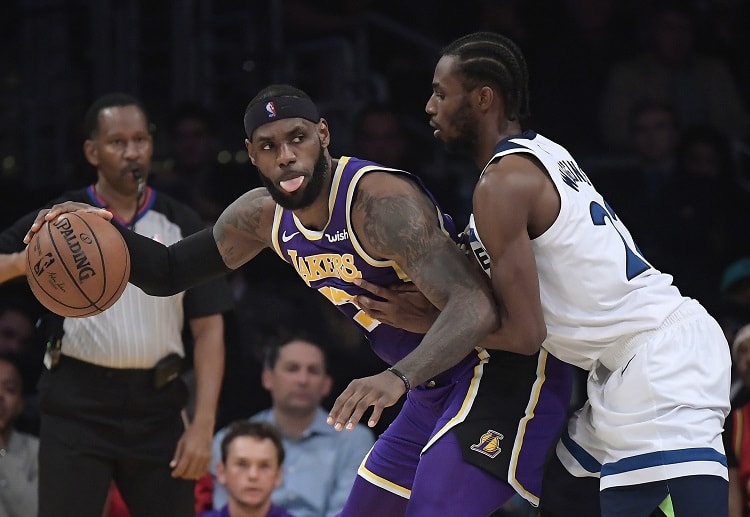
{"type": "Point", "coordinates": [77, 265]}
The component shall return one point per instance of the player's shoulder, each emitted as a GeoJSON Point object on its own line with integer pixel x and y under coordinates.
{"type": "Point", "coordinates": [512, 171]}
{"type": "Point", "coordinates": [388, 182]}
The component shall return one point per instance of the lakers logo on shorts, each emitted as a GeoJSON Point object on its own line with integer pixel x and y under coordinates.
{"type": "Point", "coordinates": [489, 444]}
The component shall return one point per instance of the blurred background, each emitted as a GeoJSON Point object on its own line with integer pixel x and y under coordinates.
{"type": "Point", "coordinates": [56, 56]}
{"type": "Point", "coordinates": [650, 96]}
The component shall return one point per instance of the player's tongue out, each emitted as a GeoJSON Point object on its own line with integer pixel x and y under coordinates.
{"type": "Point", "coordinates": [293, 184]}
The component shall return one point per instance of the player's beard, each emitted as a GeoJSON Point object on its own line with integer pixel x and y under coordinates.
{"type": "Point", "coordinates": [304, 197]}
{"type": "Point", "coordinates": [464, 125]}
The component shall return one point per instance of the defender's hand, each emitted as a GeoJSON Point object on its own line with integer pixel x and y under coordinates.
{"type": "Point", "coordinates": [379, 391]}
{"type": "Point", "coordinates": [49, 214]}
{"type": "Point", "coordinates": [402, 306]}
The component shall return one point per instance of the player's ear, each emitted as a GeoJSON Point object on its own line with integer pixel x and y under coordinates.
{"type": "Point", "coordinates": [324, 133]}
{"type": "Point", "coordinates": [279, 477]}
{"type": "Point", "coordinates": [485, 96]}
{"type": "Point", "coordinates": [265, 379]}
{"type": "Point", "coordinates": [221, 472]}
{"type": "Point", "coordinates": [90, 152]}
{"type": "Point", "coordinates": [249, 147]}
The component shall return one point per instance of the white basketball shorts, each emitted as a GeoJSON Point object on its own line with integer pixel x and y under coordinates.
{"type": "Point", "coordinates": [659, 413]}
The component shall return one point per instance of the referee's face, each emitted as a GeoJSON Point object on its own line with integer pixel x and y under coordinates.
{"type": "Point", "coordinates": [122, 148]}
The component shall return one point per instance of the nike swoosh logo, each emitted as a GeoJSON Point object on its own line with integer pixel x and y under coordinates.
{"type": "Point", "coordinates": [287, 238]}
{"type": "Point", "coordinates": [626, 365]}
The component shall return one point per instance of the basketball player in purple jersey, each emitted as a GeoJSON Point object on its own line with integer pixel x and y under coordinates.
{"type": "Point", "coordinates": [469, 436]}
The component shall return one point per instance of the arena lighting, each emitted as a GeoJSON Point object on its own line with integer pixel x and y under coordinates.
{"type": "Point", "coordinates": [224, 157]}
{"type": "Point", "coordinates": [241, 156]}
{"type": "Point", "coordinates": [9, 163]}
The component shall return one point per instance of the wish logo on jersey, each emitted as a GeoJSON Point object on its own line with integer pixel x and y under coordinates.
{"type": "Point", "coordinates": [341, 235]}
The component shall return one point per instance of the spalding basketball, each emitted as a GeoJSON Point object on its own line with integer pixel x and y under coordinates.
{"type": "Point", "coordinates": [77, 265]}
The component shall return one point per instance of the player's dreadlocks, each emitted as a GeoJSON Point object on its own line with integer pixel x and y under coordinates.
{"type": "Point", "coordinates": [488, 56]}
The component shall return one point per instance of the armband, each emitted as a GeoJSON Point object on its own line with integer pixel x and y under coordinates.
{"type": "Point", "coordinates": [401, 376]}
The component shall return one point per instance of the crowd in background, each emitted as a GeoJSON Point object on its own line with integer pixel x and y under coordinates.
{"type": "Point", "coordinates": [653, 97]}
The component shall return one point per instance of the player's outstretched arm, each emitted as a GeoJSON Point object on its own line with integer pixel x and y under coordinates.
{"type": "Point", "coordinates": [240, 233]}
{"type": "Point", "coordinates": [394, 219]}
{"type": "Point", "coordinates": [157, 269]}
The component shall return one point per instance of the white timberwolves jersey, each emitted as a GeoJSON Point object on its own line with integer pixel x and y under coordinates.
{"type": "Point", "coordinates": [595, 285]}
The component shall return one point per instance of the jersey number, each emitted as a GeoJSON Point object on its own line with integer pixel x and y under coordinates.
{"type": "Point", "coordinates": [634, 263]}
{"type": "Point", "coordinates": [340, 297]}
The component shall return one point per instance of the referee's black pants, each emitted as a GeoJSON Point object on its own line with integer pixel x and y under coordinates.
{"type": "Point", "coordinates": [102, 424]}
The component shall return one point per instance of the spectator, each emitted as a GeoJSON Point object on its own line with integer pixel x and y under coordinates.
{"type": "Point", "coordinates": [597, 33]}
{"type": "Point", "coordinates": [19, 313]}
{"type": "Point", "coordinates": [252, 455]}
{"type": "Point", "coordinates": [724, 33]}
{"type": "Point", "coordinates": [381, 136]}
{"type": "Point", "coordinates": [737, 432]}
{"type": "Point", "coordinates": [196, 177]}
{"type": "Point", "coordinates": [702, 208]}
{"type": "Point", "coordinates": [321, 463]}
{"type": "Point", "coordinates": [735, 296]}
{"type": "Point", "coordinates": [104, 412]}
{"type": "Point", "coordinates": [17, 329]}
{"type": "Point", "coordinates": [19, 471]}
{"type": "Point", "coordinates": [701, 88]}
{"type": "Point", "coordinates": [636, 187]}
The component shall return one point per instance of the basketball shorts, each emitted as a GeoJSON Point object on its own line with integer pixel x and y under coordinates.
{"type": "Point", "coordinates": [505, 415]}
{"type": "Point", "coordinates": [656, 412]}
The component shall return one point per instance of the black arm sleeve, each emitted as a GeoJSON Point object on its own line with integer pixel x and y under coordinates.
{"type": "Point", "coordinates": [163, 271]}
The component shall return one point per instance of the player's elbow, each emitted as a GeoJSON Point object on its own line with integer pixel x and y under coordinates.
{"type": "Point", "coordinates": [531, 341]}
{"type": "Point", "coordinates": [526, 340]}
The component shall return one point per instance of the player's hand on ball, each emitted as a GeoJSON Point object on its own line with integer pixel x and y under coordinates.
{"type": "Point", "coordinates": [50, 214]}
{"type": "Point", "coordinates": [379, 391]}
{"type": "Point", "coordinates": [402, 306]}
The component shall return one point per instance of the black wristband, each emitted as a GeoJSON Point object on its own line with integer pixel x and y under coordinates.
{"type": "Point", "coordinates": [401, 376]}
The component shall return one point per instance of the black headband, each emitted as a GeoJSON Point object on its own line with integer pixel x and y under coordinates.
{"type": "Point", "coordinates": [277, 108]}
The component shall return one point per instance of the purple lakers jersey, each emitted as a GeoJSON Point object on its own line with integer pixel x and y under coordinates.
{"type": "Point", "coordinates": [329, 259]}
